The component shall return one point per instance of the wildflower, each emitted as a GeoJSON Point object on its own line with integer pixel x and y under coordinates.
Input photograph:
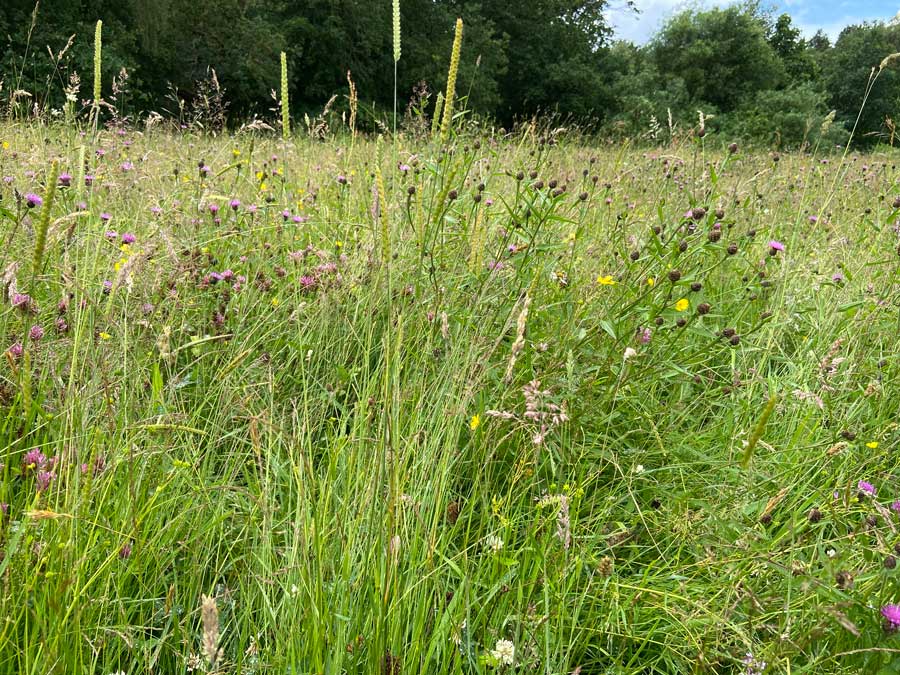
{"type": "Point", "coordinates": [895, 506]}
{"type": "Point", "coordinates": [155, 210]}
{"type": "Point", "coordinates": [126, 166]}
{"type": "Point", "coordinates": [493, 543]}
{"type": "Point", "coordinates": [629, 352]}
{"type": "Point", "coordinates": [213, 208]}
{"type": "Point", "coordinates": [891, 614]}
{"type": "Point", "coordinates": [775, 246]}
{"type": "Point", "coordinates": [104, 335]}
{"type": "Point", "coordinates": [504, 652]}
{"type": "Point", "coordinates": [682, 305]}
{"type": "Point", "coordinates": [65, 179]}
{"type": "Point", "coordinates": [43, 480]}
{"type": "Point", "coordinates": [128, 238]}
{"type": "Point", "coordinates": [34, 459]}
{"type": "Point", "coordinates": [32, 200]}
{"type": "Point", "coordinates": [866, 488]}
{"type": "Point", "coordinates": [754, 665]}
{"type": "Point", "coordinates": [22, 300]}
{"type": "Point", "coordinates": [651, 282]}
{"type": "Point", "coordinates": [606, 281]}
{"type": "Point", "coordinates": [872, 444]}
{"type": "Point", "coordinates": [475, 422]}
{"type": "Point", "coordinates": [15, 350]}
{"type": "Point", "coordinates": [105, 217]}
{"type": "Point", "coordinates": [36, 332]}
{"type": "Point", "coordinates": [644, 335]}
{"type": "Point", "coordinates": [234, 204]}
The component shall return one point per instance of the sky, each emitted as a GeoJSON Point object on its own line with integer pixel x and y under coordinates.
{"type": "Point", "coordinates": [808, 15]}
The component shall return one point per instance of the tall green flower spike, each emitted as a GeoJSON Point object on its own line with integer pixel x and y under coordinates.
{"type": "Point", "coordinates": [451, 82]}
{"type": "Point", "coordinates": [285, 104]}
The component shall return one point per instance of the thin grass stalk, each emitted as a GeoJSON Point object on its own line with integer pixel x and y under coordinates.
{"type": "Point", "coordinates": [98, 62]}
{"type": "Point", "coordinates": [285, 103]}
{"type": "Point", "coordinates": [396, 4]}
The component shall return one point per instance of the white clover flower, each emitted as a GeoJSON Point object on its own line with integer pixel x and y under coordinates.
{"type": "Point", "coordinates": [493, 543]}
{"type": "Point", "coordinates": [504, 652]}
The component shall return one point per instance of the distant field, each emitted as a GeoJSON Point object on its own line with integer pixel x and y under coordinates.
{"type": "Point", "coordinates": [521, 405]}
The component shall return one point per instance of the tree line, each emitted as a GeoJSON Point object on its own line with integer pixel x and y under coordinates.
{"type": "Point", "coordinates": [751, 73]}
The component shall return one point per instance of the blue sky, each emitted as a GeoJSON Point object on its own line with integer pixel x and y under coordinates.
{"type": "Point", "coordinates": [808, 15]}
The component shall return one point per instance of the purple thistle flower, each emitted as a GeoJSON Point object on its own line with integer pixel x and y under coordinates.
{"type": "Point", "coordinates": [89, 180]}
{"type": "Point", "coordinates": [128, 238]}
{"type": "Point", "coordinates": [22, 300]}
{"type": "Point", "coordinates": [234, 204]}
{"type": "Point", "coordinates": [307, 282]}
{"type": "Point", "coordinates": [285, 214]}
{"type": "Point", "coordinates": [15, 350]}
{"type": "Point", "coordinates": [105, 217]}
{"type": "Point", "coordinates": [837, 278]}
{"type": "Point", "coordinates": [33, 200]}
{"type": "Point", "coordinates": [111, 234]}
{"type": "Point", "coordinates": [644, 335]}
{"type": "Point", "coordinates": [891, 614]}
{"type": "Point", "coordinates": [125, 551]}
{"type": "Point", "coordinates": [895, 506]}
{"type": "Point", "coordinates": [36, 332]}
{"type": "Point", "coordinates": [65, 179]}
{"type": "Point", "coordinates": [127, 166]}
{"type": "Point", "coordinates": [213, 208]}
{"type": "Point", "coordinates": [81, 206]}
{"type": "Point", "coordinates": [342, 179]}
{"type": "Point", "coordinates": [155, 210]}
{"type": "Point", "coordinates": [252, 208]}
{"type": "Point", "coordinates": [866, 487]}
{"type": "Point", "coordinates": [814, 219]}
{"type": "Point", "coordinates": [775, 246]}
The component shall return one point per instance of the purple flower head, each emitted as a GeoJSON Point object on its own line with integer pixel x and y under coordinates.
{"type": "Point", "coordinates": [775, 246]}
{"type": "Point", "coordinates": [155, 210]}
{"type": "Point", "coordinates": [204, 170]}
{"type": "Point", "coordinates": [404, 167]}
{"type": "Point", "coordinates": [33, 200]}
{"type": "Point", "coordinates": [495, 265]}
{"type": "Point", "coordinates": [252, 208]}
{"type": "Point", "coordinates": [814, 219]}
{"type": "Point", "coordinates": [65, 179]}
{"type": "Point", "coordinates": [15, 350]}
{"type": "Point", "coordinates": [127, 166]}
{"type": "Point", "coordinates": [866, 487]}
{"type": "Point", "coordinates": [307, 282]}
{"type": "Point", "coordinates": [125, 551]}
{"type": "Point", "coordinates": [644, 335]}
{"type": "Point", "coordinates": [299, 219]}
{"type": "Point", "coordinates": [895, 506]}
{"type": "Point", "coordinates": [89, 179]}
{"type": "Point", "coordinates": [43, 480]}
{"type": "Point", "coordinates": [111, 234]}
{"type": "Point", "coordinates": [34, 459]}
{"type": "Point", "coordinates": [342, 179]}
{"type": "Point", "coordinates": [234, 204]}
{"type": "Point", "coordinates": [128, 238]}
{"type": "Point", "coordinates": [107, 286]}
{"type": "Point", "coordinates": [81, 206]}
{"type": "Point", "coordinates": [100, 152]}
{"type": "Point", "coordinates": [837, 278]}
{"type": "Point", "coordinates": [891, 614]}
{"type": "Point", "coordinates": [285, 214]}
{"type": "Point", "coordinates": [105, 217]}
{"type": "Point", "coordinates": [8, 179]}
{"type": "Point", "coordinates": [214, 208]}
{"type": "Point", "coordinates": [36, 332]}
{"type": "Point", "coordinates": [22, 300]}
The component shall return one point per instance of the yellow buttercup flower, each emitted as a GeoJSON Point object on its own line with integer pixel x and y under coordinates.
{"type": "Point", "coordinates": [105, 336]}
{"type": "Point", "coordinates": [475, 422]}
{"type": "Point", "coordinates": [682, 305]}
{"type": "Point", "coordinates": [651, 281]}
{"type": "Point", "coordinates": [872, 444]}
{"type": "Point", "coordinates": [606, 281]}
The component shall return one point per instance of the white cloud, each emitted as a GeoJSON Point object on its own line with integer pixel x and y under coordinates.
{"type": "Point", "coordinates": [807, 16]}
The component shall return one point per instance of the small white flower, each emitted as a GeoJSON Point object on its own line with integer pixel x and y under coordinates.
{"type": "Point", "coordinates": [629, 352]}
{"type": "Point", "coordinates": [639, 468]}
{"type": "Point", "coordinates": [504, 652]}
{"type": "Point", "coordinates": [493, 543]}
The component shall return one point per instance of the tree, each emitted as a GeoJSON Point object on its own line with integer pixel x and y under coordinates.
{"type": "Point", "coordinates": [721, 54]}
{"type": "Point", "coordinates": [858, 52]}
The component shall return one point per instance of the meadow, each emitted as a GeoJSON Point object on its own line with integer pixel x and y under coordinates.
{"type": "Point", "coordinates": [508, 403]}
